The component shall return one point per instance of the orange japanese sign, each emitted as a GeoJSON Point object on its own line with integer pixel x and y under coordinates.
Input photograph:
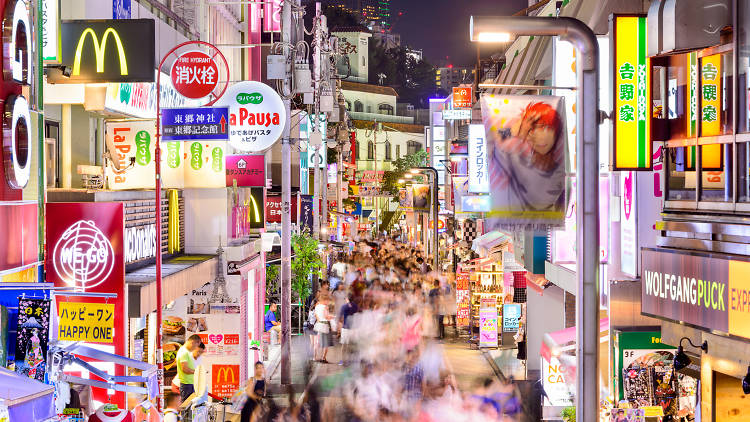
{"type": "Point", "coordinates": [462, 97]}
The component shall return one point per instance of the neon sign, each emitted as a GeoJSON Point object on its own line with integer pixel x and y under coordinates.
{"type": "Point", "coordinates": [83, 257]}
{"type": "Point", "coordinates": [16, 64]}
{"type": "Point", "coordinates": [100, 50]}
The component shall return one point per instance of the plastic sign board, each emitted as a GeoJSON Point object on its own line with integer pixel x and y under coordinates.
{"type": "Point", "coordinates": [194, 74]}
{"type": "Point", "coordinates": [710, 112]}
{"type": "Point", "coordinates": [632, 94]}
{"type": "Point", "coordinates": [107, 51]}
{"type": "Point", "coordinates": [225, 379]}
{"type": "Point", "coordinates": [51, 31]}
{"type": "Point", "coordinates": [559, 392]}
{"type": "Point", "coordinates": [479, 172]}
{"type": "Point", "coordinates": [476, 203]}
{"type": "Point", "coordinates": [488, 322]}
{"type": "Point", "coordinates": [462, 98]}
{"type": "Point", "coordinates": [628, 224]}
{"type": "Point", "coordinates": [246, 170]}
{"type": "Point", "coordinates": [90, 322]}
{"type": "Point", "coordinates": [186, 124]}
{"type": "Point", "coordinates": [457, 114]}
{"type": "Point", "coordinates": [256, 116]}
{"type": "Point", "coordinates": [511, 317]}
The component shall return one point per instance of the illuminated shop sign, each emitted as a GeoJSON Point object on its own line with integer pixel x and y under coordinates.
{"type": "Point", "coordinates": [479, 175]}
{"type": "Point", "coordinates": [83, 256]}
{"type": "Point", "coordinates": [107, 51]}
{"type": "Point", "coordinates": [256, 116]}
{"type": "Point", "coordinates": [706, 291]}
{"type": "Point", "coordinates": [632, 95]}
{"type": "Point", "coordinates": [140, 243]}
{"type": "Point", "coordinates": [17, 148]}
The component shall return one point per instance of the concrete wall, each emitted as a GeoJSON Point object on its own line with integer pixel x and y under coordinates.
{"type": "Point", "coordinates": [545, 314]}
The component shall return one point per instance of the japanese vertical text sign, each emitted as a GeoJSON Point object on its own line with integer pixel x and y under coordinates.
{"type": "Point", "coordinates": [632, 95]}
{"type": "Point", "coordinates": [479, 176]}
{"type": "Point", "coordinates": [462, 97]}
{"type": "Point", "coordinates": [91, 322]}
{"type": "Point", "coordinates": [710, 111]}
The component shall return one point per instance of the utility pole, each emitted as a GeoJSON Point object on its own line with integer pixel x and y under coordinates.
{"type": "Point", "coordinates": [315, 121]}
{"type": "Point", "coordinates": [286, 203]}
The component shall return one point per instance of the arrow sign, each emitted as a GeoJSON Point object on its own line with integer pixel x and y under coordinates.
{"type": "Point", "coordinates": [186, 124]}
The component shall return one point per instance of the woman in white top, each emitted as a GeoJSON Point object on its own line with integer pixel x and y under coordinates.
{"type": "Point", "coordinates": [323, 328]}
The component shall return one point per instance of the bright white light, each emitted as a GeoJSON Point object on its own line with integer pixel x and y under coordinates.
{"type": "Point", "coordinates": [401, 181]}
{"type": "Point", "coordinates": [414, 171]}
{"type": "Point", "coordinates": [408, 175]}
{"type": "Point", "coordinates": [493, 37]}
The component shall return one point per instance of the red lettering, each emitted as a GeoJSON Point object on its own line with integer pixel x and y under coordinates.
{"type": "Point", "coordinates": [243, 115]}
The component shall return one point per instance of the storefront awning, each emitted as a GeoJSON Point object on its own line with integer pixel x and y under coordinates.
{"type": "Point", "coordinates": [180, 275]}
{"type": "Point", "coordinates": [553, 344]}
{"type": "Point", "coordinates": [26, 398]}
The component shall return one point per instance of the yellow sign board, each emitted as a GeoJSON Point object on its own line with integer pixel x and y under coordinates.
{"type": "Point", "coordinates": [651, 411]}
{"type": "Point", "coordinates": [632, 96]}
{"type": "Point", "coordinates": [90, 322]}
{"type": "Point", "coordinates": [710, 111]}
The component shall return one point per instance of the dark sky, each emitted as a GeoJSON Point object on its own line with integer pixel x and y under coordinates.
{"type": "Point", "coordinates": [441, 27]}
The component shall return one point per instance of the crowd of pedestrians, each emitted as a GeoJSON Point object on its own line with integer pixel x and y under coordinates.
{"type": "Point", "coordinates": [388, 312]}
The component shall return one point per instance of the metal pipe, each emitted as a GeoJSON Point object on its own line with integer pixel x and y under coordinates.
{"type": "Point", "coordinates": [286, 216]}
{"type": "Point", "coordinates": [587, 220]}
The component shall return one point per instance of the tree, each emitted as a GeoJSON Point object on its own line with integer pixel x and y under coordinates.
{"type": "Point", "coordinates": [414, 80]}
{"type": "Point", "coordinates": [306, 262]}
{"type": "Point", "coordinates": [400, 167]}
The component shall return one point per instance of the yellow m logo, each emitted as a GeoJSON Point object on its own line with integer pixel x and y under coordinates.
{"type": "Point", "coordinates": [99, 49]}
{"type": "Point", "coordinates": [227, 372]}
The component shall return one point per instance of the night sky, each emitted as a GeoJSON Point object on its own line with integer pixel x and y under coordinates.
{"type": "Point", "coordinates": [441, 27]}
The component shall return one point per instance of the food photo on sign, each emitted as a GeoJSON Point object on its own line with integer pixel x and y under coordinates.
{"type": "Point", "coordinates": [525, 138]}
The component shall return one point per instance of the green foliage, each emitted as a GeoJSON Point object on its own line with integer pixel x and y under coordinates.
{"type": "Point", "coordinates": [569, 414]}
{"type": "Point", "coordinates": [400, 167]}
{"type": "Point", "coordinates": [272, 280]}
{"type": "Point", "coordinates": [306, 261]}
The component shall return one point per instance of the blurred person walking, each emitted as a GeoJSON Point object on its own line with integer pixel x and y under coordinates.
{"type": "Point", "coordinates": [323, 328]}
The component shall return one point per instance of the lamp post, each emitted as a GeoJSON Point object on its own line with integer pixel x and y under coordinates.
{"type": "Point", "coordinates": [499, 29]}
{"type": "Point", "coordinates": [435, 210]}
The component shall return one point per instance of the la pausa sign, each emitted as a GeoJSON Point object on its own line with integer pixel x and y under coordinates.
{"type": "Point", "coordinates": [256, 116]}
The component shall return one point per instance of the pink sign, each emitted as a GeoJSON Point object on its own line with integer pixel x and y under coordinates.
{"type": "Point", "coordinates": [247, 170]}
{"type": "Point", "coordinates": [272, 16]}
{"type": "Point", "coordinates": [273, 209]}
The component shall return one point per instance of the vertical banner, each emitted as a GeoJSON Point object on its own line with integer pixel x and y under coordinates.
{"type": "Point", "coordinates": [488, 322]}
{"type": "Point", "coordinates": [463, 300]}
{"type": "Point", "coordinates": [32, 337]}
{"type": "Point", "coordinates": [306, 212]}
{"type": "Point", "coordinates": [628, 226]}
{"type": "Point", "coordinates": [526, 141]}
{"type": "Point", "coordinates": [632, 96]}
{"type": "Point", "coordinates": [710, 93]}
{"type": "Point", "coordinates": [479, 175]}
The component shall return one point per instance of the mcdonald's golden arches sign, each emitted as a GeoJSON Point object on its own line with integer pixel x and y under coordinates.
{"type": "Point", "coordinates": [106, 51]}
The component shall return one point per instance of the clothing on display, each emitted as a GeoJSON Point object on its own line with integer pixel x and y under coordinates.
{"type": "Point", "coordinates": [103, 414]}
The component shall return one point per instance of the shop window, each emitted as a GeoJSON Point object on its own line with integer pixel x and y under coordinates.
{"type": "Point", "coordinates": [358, 106]}
{"type": "Point", "coordinates": [681, 174]}
{"type": "Point", "coordinates": [716, 174]}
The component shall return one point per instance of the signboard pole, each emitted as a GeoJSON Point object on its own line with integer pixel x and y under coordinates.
{"type": "Point", "coordinates": [157, 193]}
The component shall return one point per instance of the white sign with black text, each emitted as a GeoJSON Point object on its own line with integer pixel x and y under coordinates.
{"type": "Point", "coordinates": [140, 243]}
{"type": "Point", "coordinates": [479, 177]}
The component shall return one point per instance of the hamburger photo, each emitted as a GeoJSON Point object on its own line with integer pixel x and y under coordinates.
{"type": "Point", "coordinates": [172, 326]}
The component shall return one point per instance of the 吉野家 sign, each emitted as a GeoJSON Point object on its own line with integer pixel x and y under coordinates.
{"type": "Point", "coordinates": [632, 96]}
{"type": "Point", "coordinates": [710, 112]}
{"type": "Point", "coordinates": [194, 74]}
{"type": "Point", "coordinates": [256, 116]}
{"type": "Point", "coordinates": [91, 322]}
{"type": "Point", "coordinates": [479, 174]}
{"type": "Point", "coordinates": [246, 170]}
{"type": "Point", "coordinates": [110, 50]}
{"type": "Point", "coordinates": [462, 98]}
{"type": "Point", "coordinates": [457, 114]}
{"type": "Point", "coordinates": [185, 124]}
{"type": "Point", "coordinates": [712, 292]}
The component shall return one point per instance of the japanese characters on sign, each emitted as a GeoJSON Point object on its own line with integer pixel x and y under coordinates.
{"type": "Point", "coordinates": [91, 322]}
{"type": "Point", "coordinates": [632, 96]}
{"type": "Point", "coordinates": [246, 170]}
{"type": "Point", "coordinates": [479, 176]}
{"type": "Point", "coordinates": [463, 98]}
{"type": "Point", "coordinates": [488, 322]}
{"type": "Point", "coordinates": [710, 110]}
{"type": "Point", "coordinates": [256, 116]}
{"type": "Point", "coordinates": [195, 74]}
{"type": "Point", "coordinates": [456, 114]}
{"type": "Point", "coordinates": [274, 209]}
{"type": "Point", "coordinates": [51, 31]}
{"type": "Point", "coordinates": [32, 337]}
{"type": "Point", "coordinates": [184, 124]}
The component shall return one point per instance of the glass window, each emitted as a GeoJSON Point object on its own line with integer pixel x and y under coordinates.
{"type": "Point", "coordinates": [716, 180]}
{"type": "Point", "coordinates": [681, 174]}
{"type": "Point", "coordinates": [385, 109]}
{"type": "Point", "coordinates": [743, 59]}
{"type": "Point", "coordinates": [743, 172]}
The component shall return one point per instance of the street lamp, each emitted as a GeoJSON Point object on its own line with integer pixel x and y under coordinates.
{"type": "Point", "coordinates": [486, 29]}
{"type": "Point", "coordinates": [435, 209]}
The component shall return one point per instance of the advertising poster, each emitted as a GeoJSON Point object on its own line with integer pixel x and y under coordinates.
{"type": "Point", "coordinates": [188, 164]}
{"type": "Point", "coordinates": [628, 415]}
{"type": "Point", "coordinates": [225, 379]}
{"type": "Point", "coordinates": [421, 199]}
{"type": "Point", "coordinates": [406, 198]}
{"type": "Point", "coordinates": [511, 317]}
{"type": "Point", "coordinates": [559, 392]}
{"type": "Point", "coordinates": [306, 212]}
{"type": "Point", "coordinates": [488, 322]}
{"type": "Point", "coordinates": [32, 338]}
{"type": "Point", "coordinates": [526, 141]}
